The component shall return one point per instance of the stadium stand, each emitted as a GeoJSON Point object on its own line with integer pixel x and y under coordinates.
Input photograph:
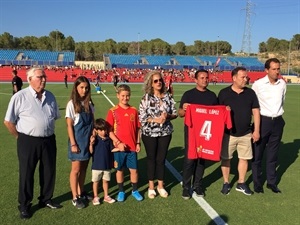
{"type": "Point", "coordinates": [187, 60]}
{"type": "Point", "coordinates": [36, 57]}
{"type": "Point", "coordinates": [131, 68]}
{"type": "Point", "coordinates": [221, 63]}
{"type": "Point", "coordinates": [249, 63]}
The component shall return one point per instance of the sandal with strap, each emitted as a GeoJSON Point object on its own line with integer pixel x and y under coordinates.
{"type": "Point", "coordinates": [162, 192]}
{"type": "Point", "coordinates": [151, 194]}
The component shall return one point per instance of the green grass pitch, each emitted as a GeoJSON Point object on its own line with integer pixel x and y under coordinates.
{"type": "Point", "coordinates": [236, 208]}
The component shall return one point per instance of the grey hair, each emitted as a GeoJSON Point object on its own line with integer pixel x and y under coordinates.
{"type": "Point", "coordinates": [31, 72]}
{"type": "Point", "coordinates": [147, 86]}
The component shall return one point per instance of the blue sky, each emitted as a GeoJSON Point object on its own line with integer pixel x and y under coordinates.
{"type": "Point", "coordinates": [169, 20]}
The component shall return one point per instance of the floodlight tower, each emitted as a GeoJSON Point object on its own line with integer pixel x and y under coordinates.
{"type": "Point", "coordinates": [246, 45]}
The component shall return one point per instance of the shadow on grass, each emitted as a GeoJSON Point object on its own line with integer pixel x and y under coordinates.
{"type": "Point", "coordinates": [221, 220]}
{"type": "Point", "coordinates": [176, 158]}
{"type": "Point", "coordinates": [288, 153]}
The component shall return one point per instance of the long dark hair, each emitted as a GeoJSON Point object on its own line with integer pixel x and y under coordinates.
{"type": "Point", "coordinates": [77, 100]}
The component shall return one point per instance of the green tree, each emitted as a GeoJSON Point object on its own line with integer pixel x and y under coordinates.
{"type": "Point", "coordinates": [79, 51]}
{"type": "Point", "coordinates": [208, 48]}
{"type": "Point", "coordinates": [143, 46]}
{"type": "Point", "coordinates": [122, 47]}
{"type": "Point", "coordinates": [69, 44]}
{"type": "Point", "coordinates": [110, 46]}
{"type": "Point", "coordinates": [296, 42]}
{"type": "Point", "coordinates": [89, 51]}
{"type": "Point", "coordinates": [190, 50]}
{"type": "Point", "coordinates": [262, 47]}
{"type": "Point", "coordinates": [29, 42]}
{"type": "Point", "coordinates": [179, 48]}
{"type": "Point", "coordinates": [44, 43]}
{"type": "Point", "coordinates": [132, 48]}
{"type": "Point", "coordinates": [99, 50]}
{"type": "Point", "coordinates": [57, 39]}
{"type": "Point", "coordinates": [160, 47]}
{"type": "Point", "coordinates": [7, 41]}
{"type": "Point", "coordinates": [198, 47]}
{"type": "Point", "coordinates": [224, 47]}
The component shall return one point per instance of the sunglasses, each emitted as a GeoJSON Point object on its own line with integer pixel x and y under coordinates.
{"type": "Point", "coordinates": [156, 81]}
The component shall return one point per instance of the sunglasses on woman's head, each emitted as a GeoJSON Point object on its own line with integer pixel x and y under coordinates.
{"type": "Point", "coordinates": [156, 81]}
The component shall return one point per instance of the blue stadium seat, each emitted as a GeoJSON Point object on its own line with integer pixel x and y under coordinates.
{"type": "Point", "coordinates": [186, 60]}
{"type": "Point", "coordinates": [26, 57]}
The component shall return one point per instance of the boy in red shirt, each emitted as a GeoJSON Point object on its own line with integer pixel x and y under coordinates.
{"type": "Point", "coordinates": [124, 122]}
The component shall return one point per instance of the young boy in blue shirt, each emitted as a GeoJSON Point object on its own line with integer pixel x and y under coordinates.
{"type": "Point", "coordinates": [101, 148]}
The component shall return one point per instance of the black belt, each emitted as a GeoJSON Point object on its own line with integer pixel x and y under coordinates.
{"type": "Point", "coordinates": [271, 118]}
{"type": "Point", "coordinates": [46, 137]}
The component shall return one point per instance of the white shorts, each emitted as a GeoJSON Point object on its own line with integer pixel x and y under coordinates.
{"type": "Point", "coordinates": [98, 174]}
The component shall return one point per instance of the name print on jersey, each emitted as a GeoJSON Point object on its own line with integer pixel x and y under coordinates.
{"type": "Point", "coordinates": [210, 111]}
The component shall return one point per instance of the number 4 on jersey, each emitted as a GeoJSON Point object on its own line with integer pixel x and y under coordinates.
{"type": "Point", "coordinates": [206, 130]}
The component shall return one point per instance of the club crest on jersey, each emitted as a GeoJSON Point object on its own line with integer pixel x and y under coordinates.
{"type": "Point", "coordinates": [132, 117]}
{"type": "Point", "coordinates": [199, 149]}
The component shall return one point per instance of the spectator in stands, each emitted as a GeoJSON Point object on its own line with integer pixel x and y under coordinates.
{"type": "Point", "coordinates": [270, 91]}
{"type": "Point", "coordinates": [156, 110]}
{"type": "Point", "coordinates": [30, 118]}
{"type": "Point", "coordinates": [79, 119]}
{"type": "Point", "coordinates": [243, 104]}
{"type": "Point", "coordinates": [195, 167]}
{"type": "Point", "coordinates": [17, 82]}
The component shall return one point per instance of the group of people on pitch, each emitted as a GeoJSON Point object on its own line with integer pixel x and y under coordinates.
{"type": "Point", "coordinates": [254, 123]}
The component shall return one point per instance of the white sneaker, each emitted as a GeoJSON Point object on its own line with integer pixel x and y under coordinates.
{"type": "Point", "coordinates": [96, 201]}
{"type": "Point", "coordinates": [108, 199]}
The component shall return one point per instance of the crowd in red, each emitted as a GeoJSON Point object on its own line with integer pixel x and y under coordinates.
{"type": "Point", "coordinates": [57, 74]}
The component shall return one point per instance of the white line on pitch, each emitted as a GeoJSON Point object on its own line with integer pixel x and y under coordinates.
{"type": "Point", "coordinates": [200, 200]}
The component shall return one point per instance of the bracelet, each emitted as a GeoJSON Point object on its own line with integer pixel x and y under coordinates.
{"type": "Point", "coordinates": [73, 145]}
{"type": "Point", "coordinates": [138, 143]}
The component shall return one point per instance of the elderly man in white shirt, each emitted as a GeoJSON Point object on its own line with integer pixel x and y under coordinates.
{"type": "Point", "coordinates": [30, 118]}
{"type": "Point", "coordinates": [270, 91]}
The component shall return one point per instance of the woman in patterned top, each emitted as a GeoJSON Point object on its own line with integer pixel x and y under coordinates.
{"type": "Point", "coordinates": [156, 110]}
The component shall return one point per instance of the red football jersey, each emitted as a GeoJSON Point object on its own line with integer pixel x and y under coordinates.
{"type": "Point", "coordinates": [125, 124]}
{"type": "Point", "coordinates": [205, 130]}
